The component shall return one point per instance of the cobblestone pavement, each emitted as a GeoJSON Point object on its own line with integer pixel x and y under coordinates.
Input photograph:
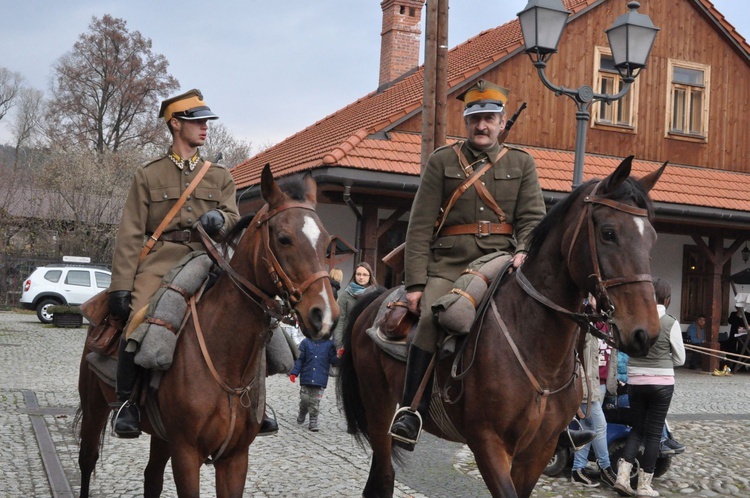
{"type": "Point", "coordinates": [39, 364]}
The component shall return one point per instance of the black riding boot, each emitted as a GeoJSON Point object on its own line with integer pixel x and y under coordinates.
{"type": "Point", "coordinates": [572, 438]}
{"type": "Point", "coordinates": [126, 420]}
{"type": "Point", "coordinates": [406, 428]}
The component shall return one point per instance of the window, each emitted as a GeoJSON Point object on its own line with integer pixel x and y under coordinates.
{"type": "Point", "coordinates": [78, 277]}
{"type": "Point", "coordinates": [102, 279]}
{"type": "Point", "coordinates": [688, 100]}
{"type": "Point", "coordinates": [696, 279]}
{"type": "Point", "coordinates": [608, 81]}
{"type": "Point", "coordinates": [53, 275]}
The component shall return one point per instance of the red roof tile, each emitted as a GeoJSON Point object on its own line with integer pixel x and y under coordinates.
{"type": "Point", "coordinates": [346, 137]}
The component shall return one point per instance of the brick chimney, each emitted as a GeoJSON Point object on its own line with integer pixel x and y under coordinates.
{"type": "Point", "coordinates": [400, 38]}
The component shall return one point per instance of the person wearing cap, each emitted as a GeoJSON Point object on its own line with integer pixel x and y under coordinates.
{"type": "Point", "coordinates": [155, 188]}
{"type": "Point", "coordinates": [471, 228]}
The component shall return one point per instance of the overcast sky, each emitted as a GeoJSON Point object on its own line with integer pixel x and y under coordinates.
{"type": "Point", "coordinates": [268, 68]}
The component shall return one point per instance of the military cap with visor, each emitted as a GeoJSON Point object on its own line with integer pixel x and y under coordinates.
{"type": "Point", "coordinates": [188, 106]}
{"type": "Point", "coordinates": [484, 96]}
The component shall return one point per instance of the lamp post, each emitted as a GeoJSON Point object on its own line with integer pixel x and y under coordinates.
{"type": "Point", "coordinates": [631, 38]}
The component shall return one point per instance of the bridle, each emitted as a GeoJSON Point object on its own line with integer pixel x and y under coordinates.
{"type": "Point", "coordinates": [290, 292]}
{"type": "Point", "coordinates": [604, 303]}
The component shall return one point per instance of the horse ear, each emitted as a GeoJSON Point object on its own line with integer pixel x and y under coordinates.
{"type": "Point", "coordinates": [648, 181]}
{"type": "Point", "coordinates": [311, 189]}
{"type": "Point", "coordinates": [270, 191]}
{"type": "Point", "coordinates": [619, 175]}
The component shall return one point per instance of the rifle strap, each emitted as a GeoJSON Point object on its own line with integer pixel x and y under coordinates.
{"type": "Point", "coordinates": [172, 212]}
{"type": "Point", "coordinates": [472, 177]}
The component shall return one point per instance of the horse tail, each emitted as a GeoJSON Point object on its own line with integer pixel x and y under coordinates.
{"type": "Point", "coordinates": [347, 387]}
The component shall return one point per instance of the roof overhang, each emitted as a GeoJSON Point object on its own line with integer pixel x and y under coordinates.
{"type": "Point", "coordinates": [401, 185]}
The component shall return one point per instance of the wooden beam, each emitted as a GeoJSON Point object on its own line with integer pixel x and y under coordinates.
{"type": "Point", "coordinates": [388, 223]}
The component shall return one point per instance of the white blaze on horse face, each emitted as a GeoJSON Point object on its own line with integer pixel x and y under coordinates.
{"type": "Point", "coordinates": [327, 315]}
{"type": "Point", "coordinates": [640, 225]}
{"type": "Point", "coordinates": [311, 231]}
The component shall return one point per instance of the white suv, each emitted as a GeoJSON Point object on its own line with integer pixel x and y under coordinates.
{"type": "Point", "coordinates": [62, 284]}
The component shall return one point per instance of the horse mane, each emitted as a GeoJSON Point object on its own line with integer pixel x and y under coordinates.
{"type": "Point", "coordinates": [629, 190]}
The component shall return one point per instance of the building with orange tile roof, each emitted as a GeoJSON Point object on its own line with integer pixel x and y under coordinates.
{"type": "Point", "coordinates": [690, 107]}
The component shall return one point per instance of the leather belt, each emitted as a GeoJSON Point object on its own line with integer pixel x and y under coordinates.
{"type": "Point", "coordinates": [186, 235]}
{"type": "Point", "coordinates": [478, 229]}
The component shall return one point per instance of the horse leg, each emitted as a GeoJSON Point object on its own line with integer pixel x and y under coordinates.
{"type": "Point", "coordinates": [153, 476]}
{"type": "Point", "coordinates": [529, 465]}
{"type": "Point", "coordinates": [94, 414]}
{"type": "Point", "coordinates": [382, 475]}
{"type": "Point", "coordinates": [231, 474]}
{"type": "Point", "coordinates": [186, 465]}
{"type": "Point", "coordinates": [493, 462]}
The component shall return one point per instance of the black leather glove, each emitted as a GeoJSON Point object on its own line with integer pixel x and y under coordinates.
{"type": "Point", "coordinates": [119, 305]}
{"type": "Point", "coordinates": [212, 221]}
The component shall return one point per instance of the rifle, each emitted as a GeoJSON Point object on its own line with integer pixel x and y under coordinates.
{"type": "Point", "coordinates": [504, 134]}
{"type": "Point", "coordinates": [395, 258]}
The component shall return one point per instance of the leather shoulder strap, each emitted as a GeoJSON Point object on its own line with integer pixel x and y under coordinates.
{"type": "Point", "coordinates": [472, 177]}
{"type": "Point", "coordinates": [172, 212]}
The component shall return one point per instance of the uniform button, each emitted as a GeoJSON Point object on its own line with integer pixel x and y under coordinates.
{"type": "Point", "coordinates": [189, 209]}
{"type": "Point", "coordinates": [481, 208]}
{"type": "Point", "coordinates": [189, 197]}
{"type": "Point", "coordinates": [507, 176]}
{"type": "Point", "coordinates": [458, 175]}
{"type": "Point", "coordinates": [187, 184]}
{"type": "Point", "coordinates": [484, 183]}
{"type": "Point", "coordinates": [190, 221]}
{"type": "Point", "coordinates": [210, 196]}
{"type": "Point", "coordinates": [164, 196]}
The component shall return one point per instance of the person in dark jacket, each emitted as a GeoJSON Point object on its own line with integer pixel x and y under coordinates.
{"type": "Point", "coordinates": [312, 367]}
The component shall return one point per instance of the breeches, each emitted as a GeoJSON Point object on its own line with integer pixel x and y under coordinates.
{"type": "Point", "coordinates": [429, 333]}
{"type": "Point", "coordinates": [309, 399]}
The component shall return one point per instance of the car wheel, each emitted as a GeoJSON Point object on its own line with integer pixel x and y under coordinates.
{"type": "Point", "coordinates": [42, 309]}
{"type": "Point", "coordinates": [557, 463]}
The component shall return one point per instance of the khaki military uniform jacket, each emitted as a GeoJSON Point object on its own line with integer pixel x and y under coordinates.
{"type": "Point", "coordinates": [154, 190]}
{"type": "Point", "coordinates": [513, 183]}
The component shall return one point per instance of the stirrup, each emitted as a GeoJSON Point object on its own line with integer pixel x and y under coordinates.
{"type": "Point", "coordinates": [402, 439]}
{"type": "Point", "coordinates": [116, 417]}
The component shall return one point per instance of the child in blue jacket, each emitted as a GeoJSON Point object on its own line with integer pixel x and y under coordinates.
{"type": "Point", "coordinates": [312, 366]}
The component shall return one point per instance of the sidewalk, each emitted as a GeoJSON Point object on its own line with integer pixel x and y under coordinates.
{"type": "Point", "coordinates": [711, 415]}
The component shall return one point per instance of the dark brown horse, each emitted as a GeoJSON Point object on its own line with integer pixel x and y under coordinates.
{"type": "Point", "coordinates": [510, 406]}
{"type": "Point", "coordinates": [211, 403]}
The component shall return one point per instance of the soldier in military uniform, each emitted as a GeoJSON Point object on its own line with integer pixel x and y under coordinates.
{"type": "Point", "coordinates": [154, 190]}
{"type": "Point", "coordinates": [471, 229]}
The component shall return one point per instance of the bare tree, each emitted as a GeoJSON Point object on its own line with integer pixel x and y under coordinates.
{"type": "Point", "coordinates": [28, 118]}
{"type": "Point", "coordinates": [233, 150]}
{"type": "Point", "coordinates": [105, 91]}
{"type": "Point", "coordinates": [10, 84]}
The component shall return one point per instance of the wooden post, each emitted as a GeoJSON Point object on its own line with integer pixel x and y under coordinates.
{"type": "Point", "coordinates": [441, 75]}
{"type": "Point", "coordinates": [430, 62]}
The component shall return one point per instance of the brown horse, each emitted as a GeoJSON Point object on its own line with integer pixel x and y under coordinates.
{"type": "Point", "coordinates": [514, 387]}
{"type": "Point", "coordinates": [211, 402]}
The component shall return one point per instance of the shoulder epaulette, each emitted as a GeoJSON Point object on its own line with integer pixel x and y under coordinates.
{"type": "Point", "coordinates": [152, 161]}
{"type": "Point", "coordinates": [519, 149]}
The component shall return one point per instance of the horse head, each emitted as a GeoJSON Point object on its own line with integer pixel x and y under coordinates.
{"type": "Point", "coordinates": [608, 249]}
{"type": "Point", "coordinates": [294, 244]}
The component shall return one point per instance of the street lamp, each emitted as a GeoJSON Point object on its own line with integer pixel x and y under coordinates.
{"type": "Point", "coordinates": [631, 38]}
